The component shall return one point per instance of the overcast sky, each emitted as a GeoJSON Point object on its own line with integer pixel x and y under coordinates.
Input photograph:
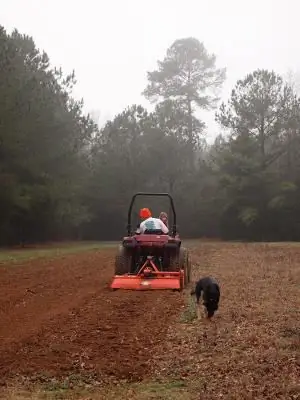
{"type": "Point", "coordinates": [112, 44]}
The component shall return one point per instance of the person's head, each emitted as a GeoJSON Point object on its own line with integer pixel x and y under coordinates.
{"type": "Point", "coordinates": [164, 217]}
{"type": "Point", "coordinates": [145, 213]}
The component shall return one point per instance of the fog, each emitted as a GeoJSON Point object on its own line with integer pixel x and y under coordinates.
{"type": "Point", "coordinates": [112, 44]}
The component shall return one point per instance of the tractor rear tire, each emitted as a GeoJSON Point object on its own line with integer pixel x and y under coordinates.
{"type": "Point", "coordinates": [123, 262]}
{"type": "Point", "coordinates": [179, 261]}
{"type": "Point", "coordinates": [189, 270]}
{"type": "Point", "coordinates": [175, 262]}
{"type": "Point", "coordinates": [185, 265]}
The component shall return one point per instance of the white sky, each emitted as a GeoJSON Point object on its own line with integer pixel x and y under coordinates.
{"type": "Point", "coordinates": [112, 44]}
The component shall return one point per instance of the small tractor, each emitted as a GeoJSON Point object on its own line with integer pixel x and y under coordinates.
{"type": "Point", "coordinates": [152, 260]}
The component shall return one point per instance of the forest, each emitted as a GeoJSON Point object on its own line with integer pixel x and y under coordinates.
{"type": "Point", "coordinates": [63, 177]}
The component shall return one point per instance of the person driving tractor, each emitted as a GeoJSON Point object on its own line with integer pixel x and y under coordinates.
{"type": "Point", "coordinates": [150, 223]}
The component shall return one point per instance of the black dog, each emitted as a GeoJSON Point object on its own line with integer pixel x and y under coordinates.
{"type": "Point", "coordinates": [211, 294]}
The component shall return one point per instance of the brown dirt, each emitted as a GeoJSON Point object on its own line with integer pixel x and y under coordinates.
{"type": "Point", "coordinates": [58, 317]}
{"type": "Point", "coordinates": [251, 349]}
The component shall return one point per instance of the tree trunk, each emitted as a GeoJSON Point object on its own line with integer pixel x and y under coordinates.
{"type": "Point", "coordinates": [262, 142]}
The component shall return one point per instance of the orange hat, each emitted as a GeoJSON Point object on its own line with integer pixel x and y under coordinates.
{"type": "Point", "coordinates": [145, 213]}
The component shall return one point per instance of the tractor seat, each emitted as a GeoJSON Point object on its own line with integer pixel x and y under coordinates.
{"type": "Point", "coordinates": [153, 232]}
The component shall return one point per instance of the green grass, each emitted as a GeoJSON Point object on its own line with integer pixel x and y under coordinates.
{"type": "Point", "coordinates": [14, 256]}
{"type": "Point", "coordinates": [171, 390]}
{"type": "Point", "coordinates": [189, 313]}
{"type": "Point", "coordinates": [11, 256]}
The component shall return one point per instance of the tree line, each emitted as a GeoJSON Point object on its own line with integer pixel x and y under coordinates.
{"type": "Point", "coordinates": [63, 177]}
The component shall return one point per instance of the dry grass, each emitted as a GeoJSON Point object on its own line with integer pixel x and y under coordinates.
{"type": "Point", "coordinates": [175, 390]}
{"type": "Point", "coordinates": [251, 350]}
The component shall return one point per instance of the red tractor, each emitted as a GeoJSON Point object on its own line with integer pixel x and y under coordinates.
{"type": "Point", "coordinates": [152, 260]}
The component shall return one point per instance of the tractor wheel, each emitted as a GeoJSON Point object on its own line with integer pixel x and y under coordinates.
{"type": "Point", "coordinates": [188, 269]}
{"type": "Point", "coordinates": [175, 261]}
{"type": "Point", "coordinates": [178, 262]}
{"type": "Point", "coordinates": [184, 262]}
{"type": "Point", "coordinates": [123, 262]}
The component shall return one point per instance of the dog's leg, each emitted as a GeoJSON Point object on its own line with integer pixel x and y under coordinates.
{"type": "Point", "coordinates": [199, 308]}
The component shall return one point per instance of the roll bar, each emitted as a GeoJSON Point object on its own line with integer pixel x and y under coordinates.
{"type": "Point", "coordinates": [174, 231]}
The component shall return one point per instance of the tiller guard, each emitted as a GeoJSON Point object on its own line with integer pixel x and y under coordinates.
{"type": "Point", "coordinates": [149, 278]}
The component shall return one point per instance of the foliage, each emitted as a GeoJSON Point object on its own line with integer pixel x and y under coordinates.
{"type": "Point", "coordinates": [187, 76]}
{"type": "Point", "coordinates": [62, 177]}
{"type": "Point", "coordinates": [42, 134]}
{"type": "Point", "coordinates": [256, 169]}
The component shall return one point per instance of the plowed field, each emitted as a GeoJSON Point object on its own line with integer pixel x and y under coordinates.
{"type": "Point", "coordinates": [58, 317]}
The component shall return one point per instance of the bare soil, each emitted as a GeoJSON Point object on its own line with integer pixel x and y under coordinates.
{"type": "Point", "coordinates": [58, 317]}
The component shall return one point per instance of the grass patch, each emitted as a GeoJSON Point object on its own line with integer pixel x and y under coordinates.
{"type": "Point", "coordinates": [189, 313]}
{"type": "Point", "coordinates": [177, 389]}
{"type": "Point", "coordinates": [282, 244]}
{"type": "Point", "coordinates": [13, 256]}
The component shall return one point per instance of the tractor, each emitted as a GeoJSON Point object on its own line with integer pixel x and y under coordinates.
{"type": "Point", "coordinates": [152, 260]}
